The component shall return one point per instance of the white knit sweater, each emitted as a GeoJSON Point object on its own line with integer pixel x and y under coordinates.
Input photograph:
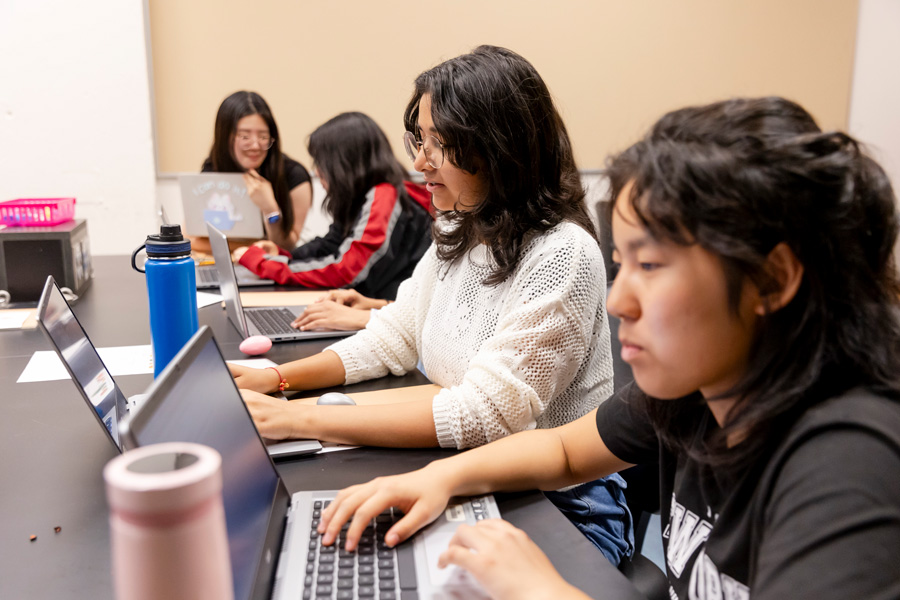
{"type": "Point", "coordinates": [533, 351]}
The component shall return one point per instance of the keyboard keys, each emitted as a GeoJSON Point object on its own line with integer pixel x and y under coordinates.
{"type": "Point", "coordinates": [368, 572]}
{"type": "Point", "coordinates": [272, 321]}
{"type": "Point", "coordinates": [406, 566]}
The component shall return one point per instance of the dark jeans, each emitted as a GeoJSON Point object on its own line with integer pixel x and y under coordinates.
{"type": "Point", "coordinates": [598, 509]}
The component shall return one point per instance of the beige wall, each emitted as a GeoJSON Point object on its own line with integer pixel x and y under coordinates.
{"type": "Point", "coordinates": [613, 66]}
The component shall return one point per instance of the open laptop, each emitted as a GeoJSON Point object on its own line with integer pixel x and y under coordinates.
{"type": "Point", "coordinates": [220, 199]}
{"type": "Point", "coordinates": [80, 358]}
{"type": "Point", "coordinates": [93, 380]}
{"type": "Point", "coordinates": [208, 277]}
{"type": "Point", "coordinates": [273, 322]}
{"type": "Point", "coordinates": [274, 552]}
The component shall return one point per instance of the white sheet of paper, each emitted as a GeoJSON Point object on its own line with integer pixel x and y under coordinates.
{"type": "Point", "coordinates": [12, 319]}
{"type": "Point", "coordinates": [119, 360]}
{"type": "Point", "coordinates": [208, 299]}
{"type": "Point", "coordinates": [253, 363]}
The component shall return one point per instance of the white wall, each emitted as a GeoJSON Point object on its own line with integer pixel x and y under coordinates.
{"type": "Point", "coordinates": [875, 100]}
{"type": "Point", "coordinates": [75, 113]}
{"type": "Point", "coordinates": [875, 97]}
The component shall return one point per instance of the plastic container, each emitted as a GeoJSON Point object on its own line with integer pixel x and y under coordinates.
{"type": "Point", "coordinates": [172, 290]}
{"type": "Point", "coordinates": [167, 523]}
{"type": "Point", "coordinates": [37, 212]}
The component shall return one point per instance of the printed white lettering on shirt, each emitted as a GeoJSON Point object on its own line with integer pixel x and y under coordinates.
{"type": "Point", "coordinates": [686, 534]}
{"type": "Point", "coordinates": [708, 584]}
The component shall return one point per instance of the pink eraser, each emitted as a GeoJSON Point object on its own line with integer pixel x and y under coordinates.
{"type": "Point", "coordinates": [255, 344]}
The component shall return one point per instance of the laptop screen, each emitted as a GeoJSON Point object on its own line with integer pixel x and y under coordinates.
{"type": "Point", "coordinates": [195, 400]}
{"type": "Point", "coordinates": [221, 199]}
{"type": "Point", "coordinates": [228, 285]}
{"type": "Point", "coordinates": [81, 359]}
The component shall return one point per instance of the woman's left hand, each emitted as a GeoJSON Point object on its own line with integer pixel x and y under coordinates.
{"type": "Point", "coordinates": [506, 562]}
{"type": "Point", "coordinates": [275, 419]}
{"type": "Point", "coordinates": [260, 191]}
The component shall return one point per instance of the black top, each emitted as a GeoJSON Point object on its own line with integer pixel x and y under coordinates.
{"type": "Point", "coordinates": [818, 516]}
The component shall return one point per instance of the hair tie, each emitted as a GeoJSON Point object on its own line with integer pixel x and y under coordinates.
{"type": "Point", "coordinates": [283, 384]}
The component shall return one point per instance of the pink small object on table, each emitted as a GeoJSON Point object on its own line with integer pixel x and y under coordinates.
{"type": "Point", "coordinates": [255, 344]}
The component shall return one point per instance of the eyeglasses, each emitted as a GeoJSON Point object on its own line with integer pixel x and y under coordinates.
{"type": "Point", "coordinates": [434, 150]}
{"type": "Point", "coordinates": [246, 140]}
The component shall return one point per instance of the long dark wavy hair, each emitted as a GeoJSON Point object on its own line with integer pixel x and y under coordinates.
{"type": "Point", "coordinates": [739, 177]}
{"type": "Point", "coordinates": [496, 118]}
{"type": "Point", "coordinates": [234, 108]}
{"type": "Point", "coordinates": [353, 155]}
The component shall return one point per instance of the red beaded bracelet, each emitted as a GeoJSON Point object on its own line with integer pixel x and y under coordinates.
{"type": "Point", "coordinates": [283, 384]}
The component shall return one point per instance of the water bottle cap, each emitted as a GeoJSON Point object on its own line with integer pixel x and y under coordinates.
{"type": "Point", "coordinates": [162, 478]}
{"type": "Point", "coordinates": [168, 243]}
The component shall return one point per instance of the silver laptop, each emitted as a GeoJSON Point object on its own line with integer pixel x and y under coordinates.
{"type": "Point", "coordinates": [274, 552]}
{"type": "Point", "coordinates": [93, 380]}
{"type": "Point", "coordinates": [80, 358]}
{"type": "Point", "coordinates": [272, 322]}
{"type": "Point", "coordinates": [220, 199]}
{"type": "Point", "coordinates": [208, 277]}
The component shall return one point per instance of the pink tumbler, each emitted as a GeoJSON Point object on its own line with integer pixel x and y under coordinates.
{"type": "Point", "coordinates": [167, 523]}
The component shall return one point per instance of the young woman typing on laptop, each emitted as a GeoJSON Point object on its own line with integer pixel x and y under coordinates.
{"type": "Point", "coordinates": [246, 141]}
{"type": "Point", "coordinates": [758, 300]}
{"type": "Point", "coordinates": [381, 224]}
{"type": "Point", "coordinates": [505, 311]}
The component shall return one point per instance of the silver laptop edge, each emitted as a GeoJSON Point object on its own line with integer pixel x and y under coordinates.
{"type": "Point", "coordinates": [121, 404]}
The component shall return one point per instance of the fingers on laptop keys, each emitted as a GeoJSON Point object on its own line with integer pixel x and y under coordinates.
{"type": "Point", "coordinates": [348, 503]}
{"type": "Point", "coordinates": [366, 502]}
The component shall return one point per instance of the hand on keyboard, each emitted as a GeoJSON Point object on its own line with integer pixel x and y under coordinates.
{"type": "Point", "coordinates": [331, 315]}
{"type": "Point", "coordinates": [422, 495]}
{"type": "Point", "coordinates": [274, 418]}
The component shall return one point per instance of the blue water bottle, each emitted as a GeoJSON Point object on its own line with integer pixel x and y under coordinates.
{"type": "Point", "coordinates": [172, 287]}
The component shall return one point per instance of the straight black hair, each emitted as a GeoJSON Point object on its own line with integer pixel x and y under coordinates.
{"type": "Point", "coordinates": [739, 177]}
{"type": "Point", "coordinates": [353, 155]}
{"type": "Point", "coordinates": [496, 118]}
{"type": "Point", "coordinates": [234, 108]}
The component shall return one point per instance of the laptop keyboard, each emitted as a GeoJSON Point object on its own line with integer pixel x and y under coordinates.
{"type": "Point", "coordinates": [372, 571]}
{"type": "Point", "coordinates": [208, 276]}
{"type": "Point", "coordinates": [272, 320]}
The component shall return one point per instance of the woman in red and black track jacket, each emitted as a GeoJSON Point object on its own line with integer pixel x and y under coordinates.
{"type": "Point", "coordinates": [382, 223]}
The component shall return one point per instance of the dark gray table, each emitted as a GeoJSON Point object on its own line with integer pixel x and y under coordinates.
{"type": "Point", "coordinates": [52, 452]}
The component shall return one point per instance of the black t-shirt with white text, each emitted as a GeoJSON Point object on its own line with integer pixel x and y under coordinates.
{"type": "Point", "coordinates": [817, 517]}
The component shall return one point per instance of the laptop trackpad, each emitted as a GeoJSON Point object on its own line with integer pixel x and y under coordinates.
{"type": "Point", "coordinates": [431, 543]}
{"type": "Point", "coordinates": [453, 576]}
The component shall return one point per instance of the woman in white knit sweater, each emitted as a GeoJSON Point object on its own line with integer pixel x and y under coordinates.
{"type": "Point", "coordinates": [505, 311]}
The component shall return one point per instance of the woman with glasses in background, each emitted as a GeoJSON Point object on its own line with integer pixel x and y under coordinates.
{"type": "Point", "coordinates": [381, 224]}
{"type": "Point", "coordinates": [506, 309]}
{"type": "Point", "coordinates": [246, 141]}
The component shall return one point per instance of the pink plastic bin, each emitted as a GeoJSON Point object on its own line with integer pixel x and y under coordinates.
{"type": "Point", "coordinates": [37, 212]}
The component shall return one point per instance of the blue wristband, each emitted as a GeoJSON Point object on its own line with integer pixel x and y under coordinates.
{"type": "Point", "coordinates": [273, 217]}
